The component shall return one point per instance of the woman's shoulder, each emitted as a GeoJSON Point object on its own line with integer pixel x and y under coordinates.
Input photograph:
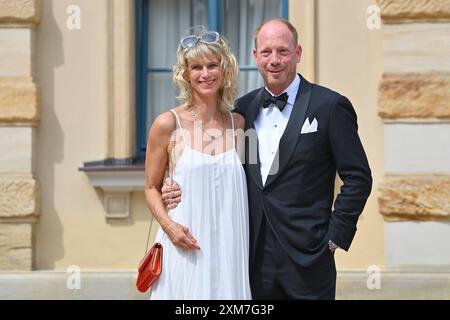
{"type": "Point", "coordinates": [165, 122]}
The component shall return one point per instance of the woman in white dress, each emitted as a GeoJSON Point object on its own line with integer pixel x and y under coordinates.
{"type": "Point", "coordinates": [205, 239]}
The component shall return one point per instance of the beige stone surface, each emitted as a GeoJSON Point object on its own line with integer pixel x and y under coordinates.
{"type": "Point", "coordinates": [19, 198]}
{"type": "Point", "coordinates": [23, 12]}
{"type": "Point", "coordinates": [349, 60]}
{"type": "Point", "coordinates": [415, 198]}
{"type": "Point", "coordinates": [118, 285]}
{"type": "Point", "coordinates": [19, 100]}
{"type": "Point", "coordinates": [16, 52]}
{"type": "Point", "coordinates": [407, 10]}
{"type": "Point", "coordinates": [416, 47]}
{"type": "Point", "coordinates": [121, 121]}
{"type": "Point", "coordinates": [17, 149]}
{"type": "Point", "coordinates": [15, 246]}
{"type": "Point", "coordinates": [415, 96]}
{"type": "Point", "coordinates": [302, 15]}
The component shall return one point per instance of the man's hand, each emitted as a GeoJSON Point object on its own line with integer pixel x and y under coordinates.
{"type": "Point", "coordinates": [332, 246]}
{"type": "Point", "coordinates": [171, 193]}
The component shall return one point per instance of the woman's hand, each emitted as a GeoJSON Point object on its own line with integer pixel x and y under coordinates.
{"type": "Point", "coordinates": [180, 236]}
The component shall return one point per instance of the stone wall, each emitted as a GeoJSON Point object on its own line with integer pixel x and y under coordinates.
{"type": "Point", "coordinates": [414, 102]}
{"type": "Point", "coordinates": [19, 117]}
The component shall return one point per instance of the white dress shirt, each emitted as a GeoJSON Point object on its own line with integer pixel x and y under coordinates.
{"type": "Point", "coordinates": [270, 125]}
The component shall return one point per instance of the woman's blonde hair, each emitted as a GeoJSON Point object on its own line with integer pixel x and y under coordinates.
{"type": "Point", "coordinates": [228, 66]}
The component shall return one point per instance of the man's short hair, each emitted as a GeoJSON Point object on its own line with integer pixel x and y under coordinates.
{"type": "Point", "coordinates": [285, 22]}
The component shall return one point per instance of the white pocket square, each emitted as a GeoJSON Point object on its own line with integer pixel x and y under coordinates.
{"type": "Point", "coordinates": [309, 127]}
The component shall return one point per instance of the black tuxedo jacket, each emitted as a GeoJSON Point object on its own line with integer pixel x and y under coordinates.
{"type": "Point", "coordinates": [297, 199]}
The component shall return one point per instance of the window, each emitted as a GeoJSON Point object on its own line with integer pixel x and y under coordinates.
{"type": "Point", "coordinates": [159, 26]}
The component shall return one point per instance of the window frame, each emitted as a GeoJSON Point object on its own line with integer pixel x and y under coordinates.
{"type": "Point", "coordinates": [142, 69]}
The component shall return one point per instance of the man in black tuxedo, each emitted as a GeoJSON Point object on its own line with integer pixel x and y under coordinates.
{"type": "Point", "coordinates": [305, 134]}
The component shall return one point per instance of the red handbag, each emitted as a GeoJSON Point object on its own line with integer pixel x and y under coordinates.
{"type": "Point", "coordinates": [150, 268]}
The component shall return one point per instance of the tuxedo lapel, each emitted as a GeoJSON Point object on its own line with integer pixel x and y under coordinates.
{"type": "Point", "coordinates": [291, 134]}
{"type": "Point", "coordinates": [252, 150]}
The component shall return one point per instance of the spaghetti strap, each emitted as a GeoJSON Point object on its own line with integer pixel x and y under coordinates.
{"type": "Point", "coordinates": [179, 125]}
{"type": "Point", "coordinates": [234, 135]}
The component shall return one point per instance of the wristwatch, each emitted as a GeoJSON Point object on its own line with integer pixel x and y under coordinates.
{"type": "Point", "coordinates": [332, 246]}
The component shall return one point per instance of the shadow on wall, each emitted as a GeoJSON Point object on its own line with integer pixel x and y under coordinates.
{"type": "Point", "coordinates": [50, 138]}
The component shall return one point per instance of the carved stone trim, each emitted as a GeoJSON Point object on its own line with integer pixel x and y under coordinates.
{"type": "Point", "coordinates": [20, 12]}
{"type": "Point", "coordinates": [394, 11]}
{"type": "Point", "coordinates": [416, 198]}
{"type": "Point", "coordinates": [19, 198]}
{"type": "Point", "coordinates": [19, 100]}
{"type": "Point", "coordinates": [117, 184]}
{"type": "Point", "coordinates": [415, 95]}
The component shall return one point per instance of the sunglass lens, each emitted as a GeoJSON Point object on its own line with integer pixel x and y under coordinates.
{"type": "Point", "coordinates": [188, 41]}
{"type": "Point", "coordinates": [210, 37]}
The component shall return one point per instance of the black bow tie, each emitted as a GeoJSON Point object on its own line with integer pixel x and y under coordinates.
{"type": "Point", "coordinates": [280, 101]}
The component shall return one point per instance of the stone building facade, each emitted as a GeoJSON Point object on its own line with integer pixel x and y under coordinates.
{"type": "Point", "coordinates": [68, 98]}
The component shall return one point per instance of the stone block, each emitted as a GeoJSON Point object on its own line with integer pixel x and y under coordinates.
{"type": "Point", "coordinates": [19, 101]}
{"type": "Point", "coordinates": [16, 246]}
{"type": "Point", "coordinates": [416, 198]}
{"type": "Point", "coordinates": [17, 148]}
{"type": "Point", "coordinates": [416, 47]}
{"type": "Point", "coordinates": [20, 12]}
{"type": "Point", "coordinates": [16, 52]}
{"type": "Point", "coordinates": [19, 198]}
{"type": "Point", "coordinates": [415, 96]}
{"type": "Point", "coordinates": [394, 11]}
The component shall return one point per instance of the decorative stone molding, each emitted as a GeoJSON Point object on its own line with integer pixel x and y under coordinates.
{"type": "Point", "coordinates": [19, 100]}
{"type": "Point", "coordinates": [118, 179]}
{"type": "Point", "coordinates": [20, 12]}
{"type": "Point", "coordinates": [415, 95]}
{"type": "Point", "coordinates": [394, 11]}
{"type": "Point", "coordinates": [416, 198]}
{"type": "Point", "coordinates": [19, 198]}
{"type": "Point", "coordinates": [117, 187]}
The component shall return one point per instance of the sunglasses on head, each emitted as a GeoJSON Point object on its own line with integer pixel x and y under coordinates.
{"type": "Point", "coordinates": [206, 37]}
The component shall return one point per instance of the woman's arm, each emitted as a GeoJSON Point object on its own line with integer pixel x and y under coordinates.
{"type": "Point", "coordinates": [156, 163]}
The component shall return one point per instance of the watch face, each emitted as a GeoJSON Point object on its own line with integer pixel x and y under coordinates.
{"type": "Point", "coordinates": [332, 245]}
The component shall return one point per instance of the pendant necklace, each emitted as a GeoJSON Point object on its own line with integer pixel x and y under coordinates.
{"type": "Point", "coordinates": [195, 115]}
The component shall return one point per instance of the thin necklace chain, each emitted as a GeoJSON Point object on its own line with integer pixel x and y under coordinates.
{"type": "Point", "coordinates": [196, 116]}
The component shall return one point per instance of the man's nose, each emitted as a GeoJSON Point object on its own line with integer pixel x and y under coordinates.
{"type": "Point", "coordinates": [275, 59]}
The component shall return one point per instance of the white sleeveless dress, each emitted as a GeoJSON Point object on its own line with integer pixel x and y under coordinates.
{"type": "Point", "coordinates": [214, 207]}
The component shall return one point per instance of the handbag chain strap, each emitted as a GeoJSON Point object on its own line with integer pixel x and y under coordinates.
{"type": "Point", "coordinates": [148, 237]}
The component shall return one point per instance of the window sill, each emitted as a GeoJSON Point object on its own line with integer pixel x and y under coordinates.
{"type": "Point", "coordinates": [118, 178]}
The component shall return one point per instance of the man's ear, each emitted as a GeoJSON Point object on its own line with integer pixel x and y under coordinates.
{"type": "Point", "coordinates": [298, 52]}
{"type": "Point", "coordinates": [254, 54]}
